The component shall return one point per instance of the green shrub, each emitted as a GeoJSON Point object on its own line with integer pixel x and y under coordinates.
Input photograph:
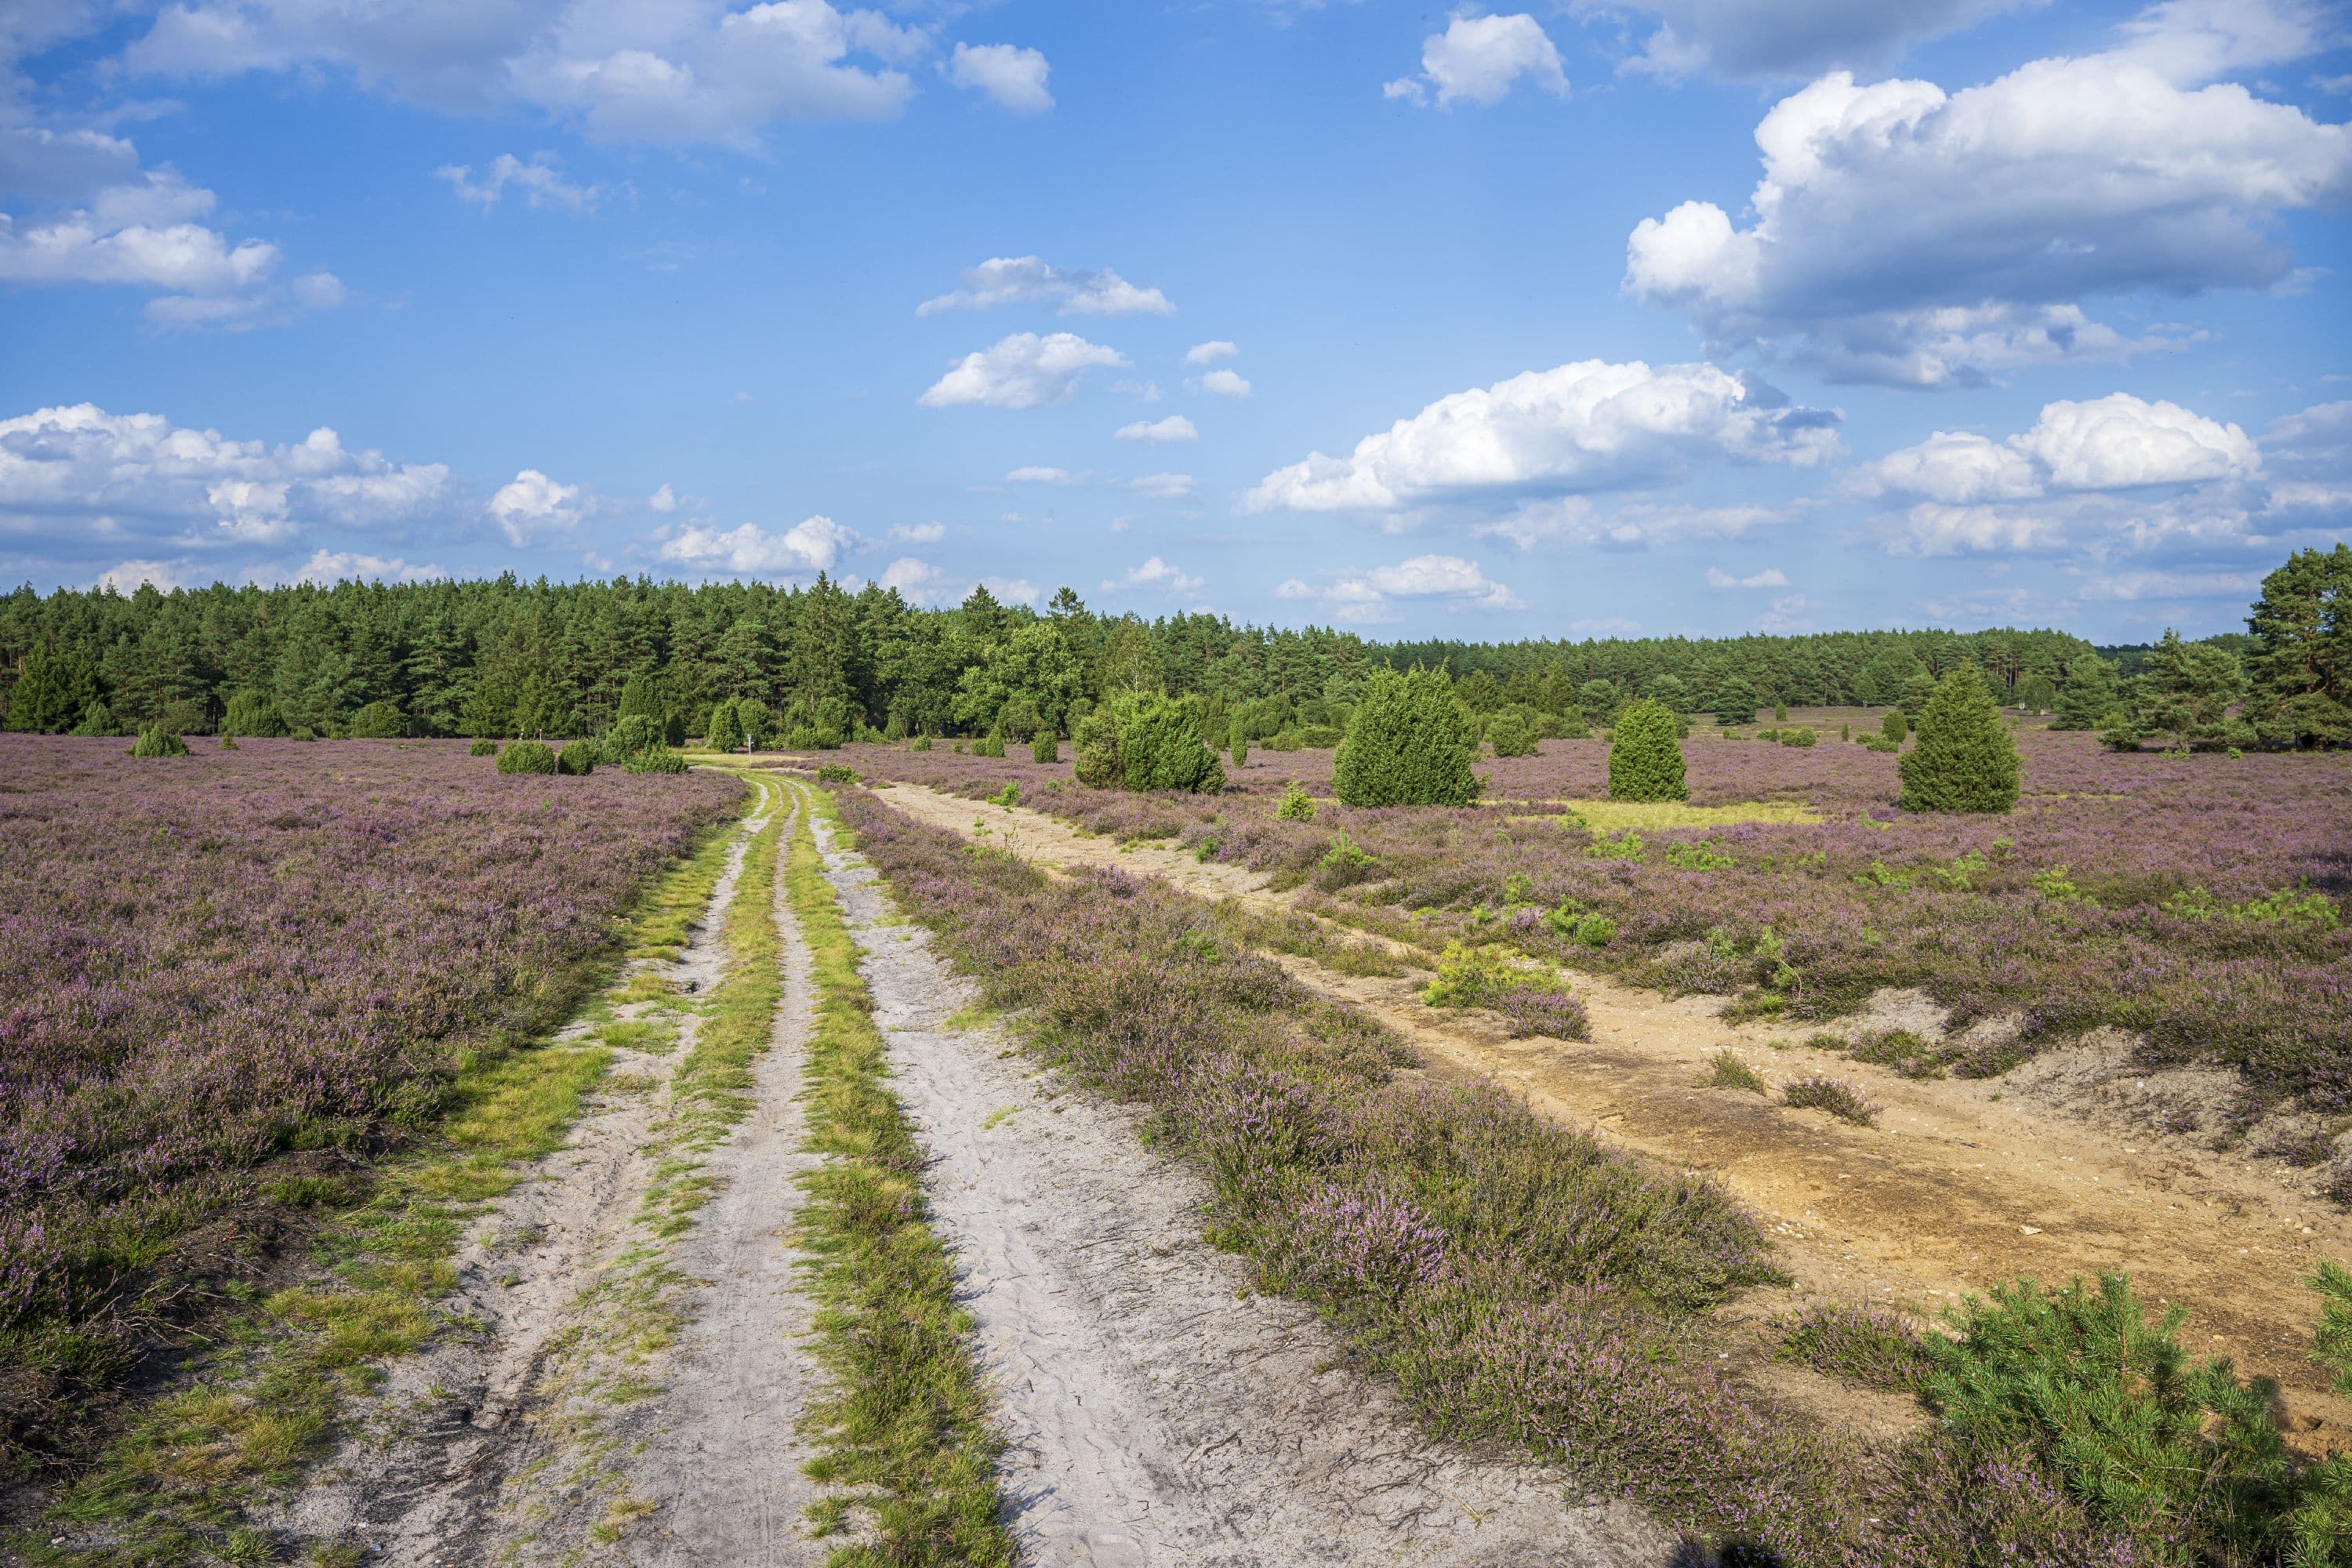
{"type": "Point", "coordinates": [1296, 805]}
{"type": "Point", "coordinates": [1318, 736]}
{"type": "Point", "coordinates": [1344, 853]}
{"type": "Point", "coordinates": [378, 720]}
{"type": "Point", "coordinates": [2146, 1439]}
{"type": "Point", "coordinates": [1045, 746]}
{"type": "Point", "coordinates": [632, 733]}
{"type": "Point", "coordinates": [1511, 733]}
{"type": "Point", "coordinates": [1965, 759]}
{"type": "Point", "coordinates": [1834, 1095]}
{"type": "Point", "coordinates": [578, 759]}
{"type": "Point", "coordinates": [1895, 726]}
{"type": "Point", "coordinates": [1725, 1071]}
{"type": "Point", "coordinates": [157, 742]}
{"type": "Point", "coordinates": [1645, 762]}
{"type": "Point", "coordinates": [483, 746]}
{"type": "Point", "coordinates": [654, 759]}
{"type": "Point", "coordinates": [1237, 743]}
{"type": "Point", "coordinates": [756, 721]}
{"type": "Point", "coordinates": [98, 718]}
{"type": "Point", "coordinates": [1798, 738]}
{"type": "Point", "coordinates": [1780, 711]}
{"type": "Point", "coordinates": [988, 746]}
{"type": "Point", "coordinates": [526, 757]}
{"type": "Point", "coordinates": [1410, 743]}
{"type": "Point", "coordinates": [919, 744]}
{"type": "Point", "coordinates": [1160, 747]}
{"type": "Point", "coordinates": [251, 713]}
{"type": "Point", "coordinates": [836, 772]}
{"type": "Point", "coordinates": [1578, 926]}
{"type": "Point", "coordinates": [1879, 743]}
{"type": "Point", "coordinates": [1008, 797]}
{"type": "Point", "coordinates": [726, 729]}
{"type": "Point", "coordinates": [1095, 751]}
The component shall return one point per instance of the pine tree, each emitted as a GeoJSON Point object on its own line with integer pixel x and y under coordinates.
{"type": "Point", "coordinates": [2090, 695]}
{"type": "Point", "coordinates": [41, 702]}
{"type": "Point", "coordinates": [1644, 761]}
{"type": "Point", "coordinates": [1965, 759]}
{"type": "Point", "coordinates": [1409, 743]}
{"type": "Point", "coordinates": [726, 731]}
{"type": "Point", "coordinates": [1735, 702]}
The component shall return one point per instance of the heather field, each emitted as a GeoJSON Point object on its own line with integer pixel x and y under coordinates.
{"type": "Point", "coordinates": [2191, 900]}
{"type": "Point", "coordinates": [224, 973]}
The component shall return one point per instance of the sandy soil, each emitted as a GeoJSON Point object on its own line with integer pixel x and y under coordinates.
{"type": "Point", "coordinates": [1161, 1412]}
{"type": "Point", "coordinates": [504, 1444]}
{"type": "Point", "coordinates": [1961, 1185]}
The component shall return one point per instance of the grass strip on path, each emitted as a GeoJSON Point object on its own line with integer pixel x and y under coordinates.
{"type": "Point", "coordinates": [907, 1431]}
{"type": "Point", "coordinates": [177, 1486]}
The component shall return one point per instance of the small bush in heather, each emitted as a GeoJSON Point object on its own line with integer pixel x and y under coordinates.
{"type": "Point", "coordinates": [1798, 738]}
{"type": "Point", "coordinates": [1907, 1053]}
{"type": "Point", "coordinates": [1007, 797]}
{"type": "Point", "coordinates": [157, 742]}
{"type": "Point", "coordinates": [1237, 743]}
{"type": "Point", "coordinates": [2331, 1342]}
{"type": "Point", "coordinates": [229, 744]}
{"type": "Point", "coordinates": [1645, 762]}
{"type": "Point", "coordinates": [629, 735]}
{"type": "Point", "coordinates": [526, 757]}
{"type": "Point", "coordinates": [988, 746]}
{"type": "Point", "coordinates": [1045, 746]}
{"type": "Point", "coordinates": [1725, 1071]}
{"type": "Point", "coordinates": [483, 746]}
{"type": "Point", "coordinates": [1858, 1341]}
{"type": "Point", "coordinates": [1410, 742]}
{"type": "Point", "coordinates": [1510, 734]}
{"type": "Point", "coordinates": [1834, 1095]}
{"type": "Point", "coordinates": [578, 759]}
{"type": "Point", "coordinates": [1296, 805]}
{"type": "Point", "coordinates": [836, 772]}
{"type": "Point", "coordinates": [378, 720]}
{"type": "Point", "coordinates": [919, 744]}
{"type": "Point", "coordinates": [1482, 977]}
{"type": "Point", "coordinates": [1588, 927]}
{"type": "Point", "coordinates": [1895, 727]}
{"type": "Point", "coordinates": [1344, 854]}
{"type": "Point", "coordinates": [656, 759]}
{"type": "Point", "coordinates": [2144, 1438]}
{"type": "Point", "coordinates": [1965, 759]}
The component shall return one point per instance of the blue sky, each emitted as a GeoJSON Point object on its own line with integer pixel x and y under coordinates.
{"type": "Point", "coordinates": [1580, 320]}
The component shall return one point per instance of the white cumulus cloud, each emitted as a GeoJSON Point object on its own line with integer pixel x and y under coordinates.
{"type": "Point", "coordinates": [541, 182]}
{"type": "Point", "coordinates": [1154, 573]}
{"type": "Point", "coordinates": [1590, 425]}
{"type": "Point", "coordinates": [1163, 487]}
{"type": "Point", "coordinates": [1210, 352]}
{"type": "Point", "coordinates": [1010, 76]}
{"type": "Point", "coordinates": [1906, 235]}
{"type": "Point", "coordinates": [1028, 279]}
{"type": "Point", "coordinates": [1370, 596]}
{"type": "Point", "coordinates": [679, 74]}
{"type": "Point", "coordinates": [530, 507]}
{"type": "Point", "coordinates": [77, 469]}
{"type": "Point", "coordinates": [1040, 474]}
{"type": "Point", "coordinates": [812, 545]}
{"type": "Point", "coordinates": [1770, 578]}
{"type": "Point", "coordinates": [1023, 371]}
{"type": "Point", "coordinates": [1222, 384]}
{"type": "Point", "coordinates": [1477, 60]}
{"type": "Point", "coordinates": [1175, 427]}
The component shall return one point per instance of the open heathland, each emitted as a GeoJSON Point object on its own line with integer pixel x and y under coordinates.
{"type": "Point", "coordinates": [225, 978]}
{"type": "Point", "coordinates": [2192, 902]}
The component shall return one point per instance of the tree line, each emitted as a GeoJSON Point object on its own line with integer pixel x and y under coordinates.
{"type": "Point", "coordinates": [498, 657]}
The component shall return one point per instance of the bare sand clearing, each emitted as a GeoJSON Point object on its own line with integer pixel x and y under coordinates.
{"type": "Point", "coordinates": [1962, 1185]}
{"type": "Point", "coordinates": [1159, 1412]}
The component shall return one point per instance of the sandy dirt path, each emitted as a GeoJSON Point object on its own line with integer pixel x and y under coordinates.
{"type": "Point", "coordinates": [1962, 1185]}
{"type": "Point", "coordinates": [1160, 1413]}
{"type": "Point", "coordinates": [507, 1443]}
